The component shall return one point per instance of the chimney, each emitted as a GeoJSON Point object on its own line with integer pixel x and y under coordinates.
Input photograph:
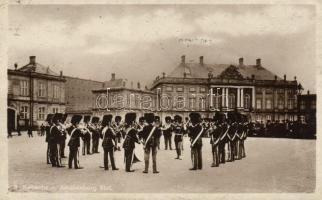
{"type": "Point", "coordinates": [32, 60]}
{"type": "Point", "coordinates": [16, 66]}
{"type": "Point", "coordinates": [139, 85]}
{"type": "Point", "coordinates": [253, 76]}
{"type": "Point", "coordinates": [258, 62]}
{"type": "Point", "coordinates": [132, 84]}
{"type": "Point", "coordinates": [113, 77]}
{"type": "Point", "coordinates": [308, 92]}
{"type": "Point", "coordinates": [275, 78]}
{"type": "Point", "coordinates": [184, 74]}
{"type": "Point", "coordinates": [284, 77]}
{"type": "Point", "coordinates": [183, 59]}
{"type": "Point", "coordinates": [163, 75]}
{"type": "Point", "coordinates": [201, 60]}
{"type": "Point", "coordinates": [146, 87]}
{"type": "Point", "coordinates": [294, 78]}
{"type": "Point", "coordinates": [61, 73]}
{"type": "Point", "coordinates": [241, 61]}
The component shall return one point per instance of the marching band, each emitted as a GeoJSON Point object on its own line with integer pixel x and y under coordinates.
{"type": "Point", "coordinates": [227, 133]}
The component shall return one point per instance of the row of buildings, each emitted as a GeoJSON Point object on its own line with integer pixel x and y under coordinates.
{"type": "Point", "coordinates": [36, 90]}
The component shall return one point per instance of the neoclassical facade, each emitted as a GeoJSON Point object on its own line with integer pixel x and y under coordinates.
{"type": "Point", "coordinates": [206, 88]}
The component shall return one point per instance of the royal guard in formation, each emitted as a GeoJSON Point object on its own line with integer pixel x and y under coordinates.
{"type": "Point", "coordinates": [227, 135]}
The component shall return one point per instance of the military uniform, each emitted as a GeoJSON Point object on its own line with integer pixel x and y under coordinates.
{"type": "Point", "coordinates": [108, 144]}
{"type": "Point", "coordinates": [150, 135]}
{"type": "Point", "coordinates": [129, 141]}
{"type": "Point", "coordinates": [167, 133]}
{"type": "Point", "coordinates": [195, 132]}
{"type": "Point", "coordinates": [87, 137]}
{"type": "Point", "coordinates": [47, 137]}
{"type": "Point", "coordinates": [117, 126]}
{"type": "Point", "coordinates": [95, 135]}
{"type": "Point", "coordinates": [215, 134]}
{"type": "Point", "coordinates": [178, 131]}
{"type": "Point", "coordinates": [223, 141]}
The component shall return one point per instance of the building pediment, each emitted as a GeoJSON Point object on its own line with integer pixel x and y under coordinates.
{"type": "Point", "coordinates": [231, 72]}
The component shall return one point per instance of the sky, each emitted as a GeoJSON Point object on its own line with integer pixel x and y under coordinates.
{"type": "Point", "coordinates": [139, 42]}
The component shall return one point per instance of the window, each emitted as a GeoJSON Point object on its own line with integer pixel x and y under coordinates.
{"type": "Point", "coordinates": [290, 103]}
{"type": "Point", "coordinates": [217, 101]}
{"type": "Point", "coordinates": [268, 118]}
{"type": "Point", "coordinates": [168, 89]}
{"type": "Point", "coordinates": [55, 110]}
{"type": "Point", "coordinates": [191, 103]}
{"type": "Point", "coordinates": [202, 103]}
{"type": "Point", "coordinates": [24, 112]}
{"type": "Point", "coordinates": [41, 113]}
{"type": "Point", "coordinates": [23, 88]}
{"type": "Point", "coordinates": [258, 103]}
{"type": "Point", "coordinates": [268, 104]}
{"type": "Point", "coordinates": [192, 89]}
{"type": "Point", "coordinates": [56, 91]}
{"type": "Point", "coordinates": [246, 101]}
{"type": "Point", "coordinates": [231, 101]}
{"type": "Point", "coordinates": [313, 105]}
{"type": "Point", "coordinates": [202, 89]}
{"type": "Point", "coordinates": [280, 103]}
{"type": "Point", "coordinates": [302, 106]}
{"type": "Point", "coordinates": [179, 89]}
{"type": "Point", "coordinates": [41, 90]}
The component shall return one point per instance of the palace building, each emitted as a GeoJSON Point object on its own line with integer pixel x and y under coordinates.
{"type": "Point", "coordinates": [205, 88]}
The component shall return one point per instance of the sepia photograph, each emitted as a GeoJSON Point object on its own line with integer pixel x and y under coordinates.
{"type": "Point", "coordinates": [174, 98]}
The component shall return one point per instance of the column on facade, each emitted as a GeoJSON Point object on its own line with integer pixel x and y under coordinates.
{"type": "Point", "coordinates": [227, 92]}
{"type": "Point", "coordinates": [253, 98]}
{"type": "Point", "coordinates": [264, 99]}
{"type": "Point", "coordinates": [211, 97]}
{"type": "Point", "coordinates": [238, 97]}
{"type": "Point", "coordinates": [242, 97]}
{"type": "Point", "coordinates": [285, 99]}
{"type": "Point", "coordinates": [223, 97]}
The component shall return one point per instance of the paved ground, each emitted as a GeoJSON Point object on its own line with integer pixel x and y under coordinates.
{"type": "Point", "coordinates": [271, 165]}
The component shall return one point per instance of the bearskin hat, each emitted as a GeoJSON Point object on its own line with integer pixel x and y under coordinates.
{"type": "Point", "coordinates": [195, 117]}
{"type": "Point", "coordinates": [157, 118]}
{"type": "Point", "coordinates": [49, 117]}
{"type": "Point", "coordinates": [63, 119]}
{"type": "Point", "coordinates": [76, 119]}
{"type": "Point", "coordinates": [106, 119]}
{"type": "Point", "coordinates": [177, 118]}
{"type": "Point", "coordinates": [87, 118]}
{"type": "Point", "coordinates": [168, 119]}
{"type": "Point", "coordinates": [57, 117]}
{"type": "Point", "coordinates": [118, 118]}
{"type": "Point", "coordinates": [141, 119]}
{"type": "Point", "coordinates": [129, 117]}
{"type": "Point", "coordinates": [95, 120]}
{"type": "Point", "coordinates": [149, 117]}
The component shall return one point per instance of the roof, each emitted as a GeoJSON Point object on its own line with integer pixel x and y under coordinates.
{"type": "Point", "coordinates": [197, 70]}
{"type": "Point", "coordinates": [38, 68]}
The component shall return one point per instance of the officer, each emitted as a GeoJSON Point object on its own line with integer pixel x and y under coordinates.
{"type": "Point", "coordinates": [150, 135]}
{"type": "Point", "coordinates": [246, 128]}
{"type": "Point", "coordinates": [48, 140]}
{"type": "Point", "coordinates": [74, 142]}
{"type": "Point", "coordinates": [231, 135]}
{"type": "Point", "coordinates": [63, 136]}
{"type": "Point", "coordinates": [87, 136]}
{"type": "Point", "coordinates": [108, 136]}
{"type": "Point", "coordinates": [195, 132]}
{"type": "Point", "coordinates": [95, 134]}
{"type": "Point", "coordinates": [158, 125]}
{"type": "Point", "coordinates": [130, 139]}
{"type": "Point", "coordinates": [178, 134]}
{"type": "Point", "coordinates": [167, 133]}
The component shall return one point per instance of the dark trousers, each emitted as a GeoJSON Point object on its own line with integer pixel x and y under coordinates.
{"type": "Point", "coordinates": [167, 142]}
{"type": "Point", "coordinates": [48, 153]}
{"type": "Point", "coordinates": [107, 152]}
{"type": "Point", "coordinates": [95, 142]}
{"type": "Point", "coordinates": [231, 153]}
{"type": "Point", "coordinates": [222, 152]}
{"type": "Point", "coordinates": [62, 148]}
{"type": "Point", "coordinates": [215, 155]}
{"type": "Point", "coordinates": [196, 157]}
{"type": "Point", "coordinates": [53, 154]}
{"type": "Point", "coordinates": [87, 146]}
{"type": "Point", "coordinates": [147, 151]}
{"type": "Point", "coordinates": [242, 149]}
{"type": "Point", "coordinates": [128, 157]}
{"type": "Point", "coordinates": [73, 157]}
{"type": "Point", "coordinates": [58, 156]}
{"type": "Point", "coordinates": [178, 145]}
